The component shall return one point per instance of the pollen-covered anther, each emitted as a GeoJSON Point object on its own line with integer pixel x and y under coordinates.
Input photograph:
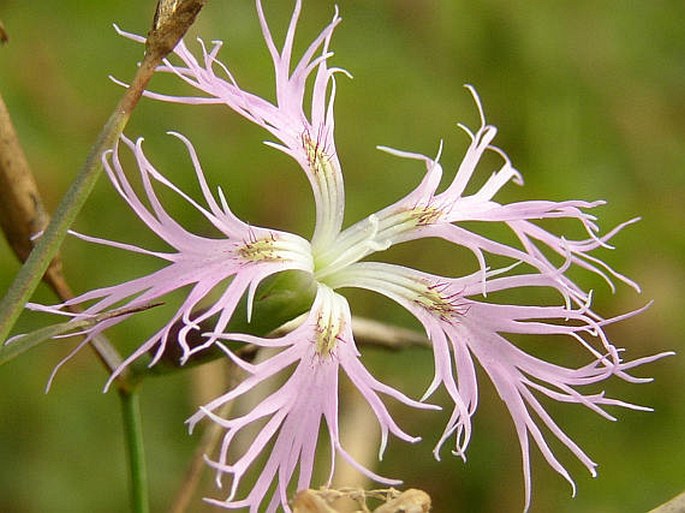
{"type": "Point", "coordinates": [318, 159]}
{"type": "Point", "coordinates": [425, 216]}
{"type": "Point", "coordinates": [440, 300]}
{"type": "Point", "coordinates": [328, 331]}
{"type": "Point", "coordinates": [259, 250]}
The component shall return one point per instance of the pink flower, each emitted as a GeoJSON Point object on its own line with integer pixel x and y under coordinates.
{"type": "Point", "coordinates": [462, 327]}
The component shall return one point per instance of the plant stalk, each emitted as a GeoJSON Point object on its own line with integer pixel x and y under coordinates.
{"type": "Point", "coordinates": [133, 438]}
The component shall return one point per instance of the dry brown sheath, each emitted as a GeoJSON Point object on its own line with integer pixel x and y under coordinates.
{"type": "Point", "coordinates": [21, 210]}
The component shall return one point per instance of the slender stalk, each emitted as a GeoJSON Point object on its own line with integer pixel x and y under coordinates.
{"type": "Point", "coordinates": [133, 437]}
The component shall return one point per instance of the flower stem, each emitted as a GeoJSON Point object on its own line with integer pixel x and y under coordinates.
{"type": "Point", "coordinates": [133, 435]}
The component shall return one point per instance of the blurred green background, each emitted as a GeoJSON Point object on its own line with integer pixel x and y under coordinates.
{"type": "Point", "coordinates": [589, 98]}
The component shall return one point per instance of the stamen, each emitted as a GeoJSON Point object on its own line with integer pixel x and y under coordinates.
{"type": "Point", "coordinates": [425, 216]}
{"type": "Point", "coordinates": [317, 157]}
{"type": "Point", "coordinates": [439, 299]}
{"type": "Point", "coordinates": [260, 250]}
{"type": "Point", "coordinates": [328, 330]}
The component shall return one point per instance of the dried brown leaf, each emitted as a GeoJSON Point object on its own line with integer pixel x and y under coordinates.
{"type": "Point", "coordinates": [321, 501]}
{"type": "Point", "coordinates": [311, 501]}
{"type": "Point", "coordinates": [171, 22]}
{"type": "Point", "coordinates": [409, 501]}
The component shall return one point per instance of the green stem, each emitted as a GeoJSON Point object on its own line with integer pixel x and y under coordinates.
{"type": "Point", "coordinates": [133, 435]}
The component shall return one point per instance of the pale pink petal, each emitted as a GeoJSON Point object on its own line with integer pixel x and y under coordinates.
{"type": "Point", "coordinates": [235, 263]}
{"type": "Point", "coordinates": [318, 350]}
{"type": "Point", "coordinates": [463, 331]}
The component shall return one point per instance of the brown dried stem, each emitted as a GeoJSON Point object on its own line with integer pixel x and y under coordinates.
{"type": "Point", "coordinates": [22, 215]}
